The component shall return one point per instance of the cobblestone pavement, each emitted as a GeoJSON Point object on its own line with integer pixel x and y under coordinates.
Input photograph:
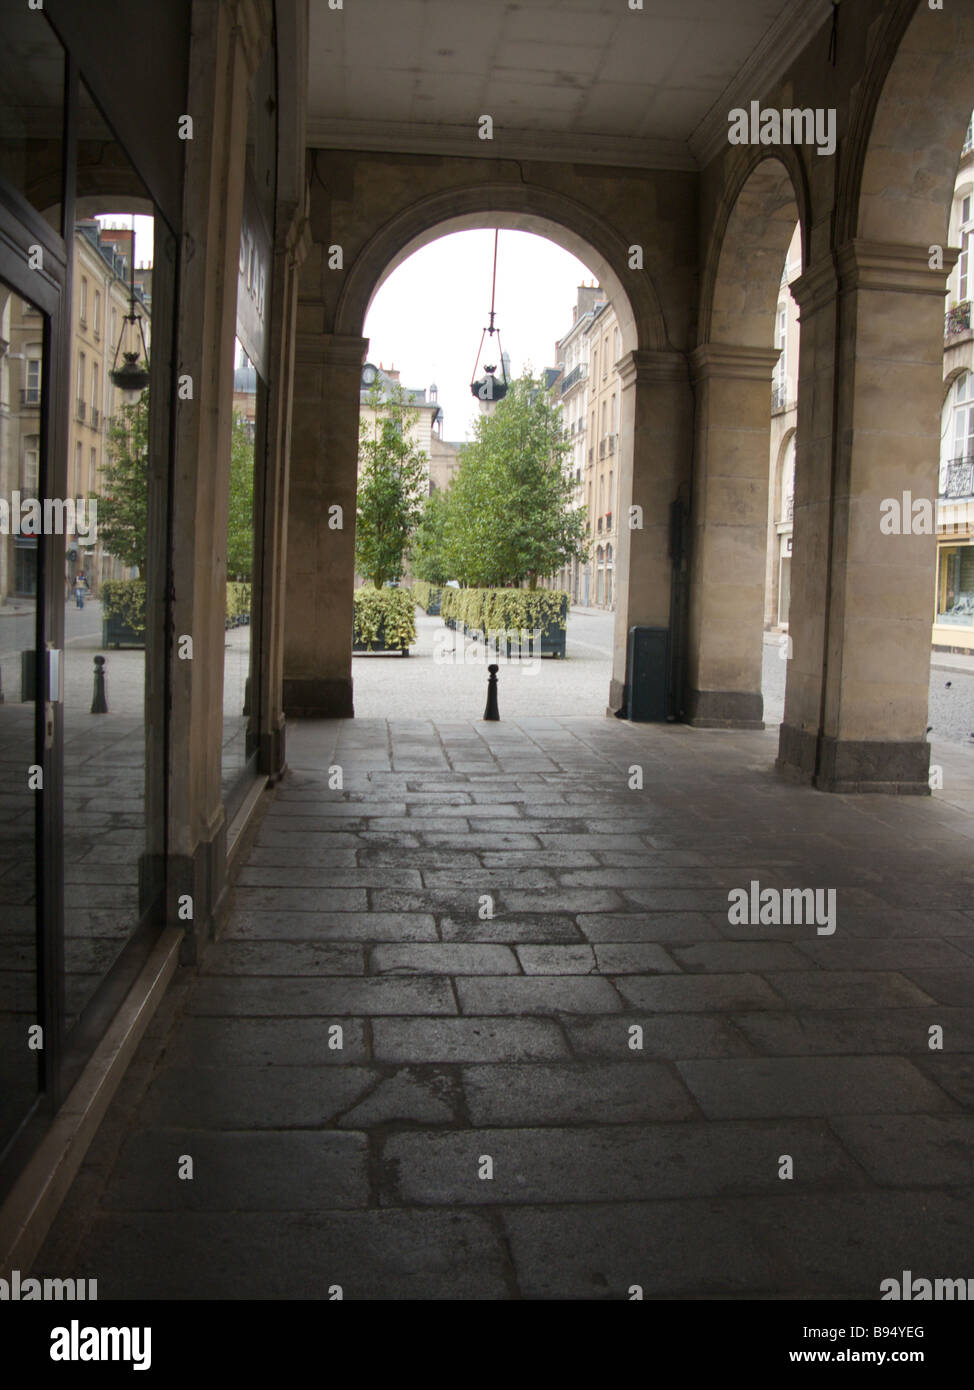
{"type": "Point", "coordinates": [487, 913]}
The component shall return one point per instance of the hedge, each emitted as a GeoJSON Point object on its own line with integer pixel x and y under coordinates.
{"type": "Point", "coordinates": [124, 599]}
{"type": "Point", "coordinates": [421, 593]}
{"type": "Point", "coordinates": [391, 610]}
{"type": "Point", "coordinates": [506, 612]}
{"type": "Point", "coordinates": [238, 599]}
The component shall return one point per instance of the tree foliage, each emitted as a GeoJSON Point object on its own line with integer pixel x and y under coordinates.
{"type": "Point", "coordinates": [429, 558]}
{"type": "Point", "coordinates": [392, 480]}
{"type": "Point", "coordinates": [509, 511]}
{"type": "Point", "coordinates": [240, 519]}
{"type": "Point", "coordinates": [123, 512]}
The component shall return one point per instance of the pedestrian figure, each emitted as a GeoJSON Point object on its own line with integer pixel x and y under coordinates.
{"type": "Point", "coordinates": [81, 587]}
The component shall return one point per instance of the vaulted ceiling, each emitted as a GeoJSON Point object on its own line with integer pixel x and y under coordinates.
{"type": "Point", "coordinates": [590, 81]}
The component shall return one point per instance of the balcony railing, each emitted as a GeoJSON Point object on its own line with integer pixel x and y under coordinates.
{"type": "Point", "coordinates": [960, 478]}
{"type": "Point", "coordinates": [612, 444]}
{"type": "Point", "coordinates": [30, 396]}
{"type": "Point", "coordinates": [95, 417]}
{"type": "Point", "coordinates": [601, 448]}
{"type": "Point", "coordinates": [779, 396]}
{"type": "Point", "coordinates": [576, 375]}
{"type": "Point", "coordinates": [957, 320]}
{"type": "Point", "coordinates": [81, 410]}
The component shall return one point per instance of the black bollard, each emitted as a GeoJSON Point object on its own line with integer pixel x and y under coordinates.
{"type": "Point", "coordinates": [491, 711]}
{"type": "Point", "coordinates": [99, 705]}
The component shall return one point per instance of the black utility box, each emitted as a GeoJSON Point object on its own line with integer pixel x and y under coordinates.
{"type": "Point", "coordinates": [648, 666]}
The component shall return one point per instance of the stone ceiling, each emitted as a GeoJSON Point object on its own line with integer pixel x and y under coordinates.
{"type": "Point", "coordinates": [586, 80]}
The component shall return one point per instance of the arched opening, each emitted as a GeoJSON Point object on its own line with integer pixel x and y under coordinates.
{"type": "Point", "coordinates": [637, 327]}
{"type": "Point", "coordinates": [558, 324]}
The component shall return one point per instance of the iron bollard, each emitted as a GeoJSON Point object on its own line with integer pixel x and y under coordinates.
{"type": "Point", "coordinates": [491, 711]}
{"type": "Point", "coordinates": [99, 705]}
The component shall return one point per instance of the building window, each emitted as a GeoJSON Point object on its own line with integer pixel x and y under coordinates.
{"type": "Point", "coordinates": [82, 376]}
{"type": "Point", "coordinates": [114, 329]}
{"type": "Point", "coordinates": [955, 586]}
{"type": "Point", "coordinates": [96, 326]}
{"type": "Point", "coordinates": [84, 302]}
{"type": "Point", "coordinates": [77, 470]}
{"type": "Point", "coordinates": [92, 469]}
{"type": "Point", "coordinates": [965, 269]}
{"type": "Point", "coordinates": [33, 396]}
{"type": "Point", "coordinates": [32, 464]}
{"type": "Point", "coordinates": [963, 432]}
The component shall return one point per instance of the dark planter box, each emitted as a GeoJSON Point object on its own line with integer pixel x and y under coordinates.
{"type": "Point", "coordinates": [115, 632]}
{"type": "Point", "coordinates": [436, 596]}
{"type": "Point", "coordinates": [379, 645]}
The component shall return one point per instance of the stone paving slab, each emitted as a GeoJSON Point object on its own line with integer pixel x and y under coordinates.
{"type": "Point", "coordinates": [240, 1171]}
{"type": "Point", "coordinates": [635, 1065]}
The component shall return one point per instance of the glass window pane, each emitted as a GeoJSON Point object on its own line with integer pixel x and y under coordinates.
{"type": "Point", "coordinates": [32, 107]}
{"type": "Point", "coordinates": [20, 430]}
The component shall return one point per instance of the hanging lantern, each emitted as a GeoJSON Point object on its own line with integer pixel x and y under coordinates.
{"type": "Point", "coordinates": [490, 386]}
{"type": "Point", "coordinates": [131, 376]}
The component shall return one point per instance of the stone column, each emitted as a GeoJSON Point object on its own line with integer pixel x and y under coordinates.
{"type": "Point", "coordinates": [292, 244]}
{"type": "Point", "coordinates": [655, 440]}
{"type": "Point", "coordinates": [223, 56]}
{"type": "Point", "coordinates": [862, 600]}
{"type": "Point", "coordinates": [321, 539]}
{"type": "Point", "coordinates": [729, 525]}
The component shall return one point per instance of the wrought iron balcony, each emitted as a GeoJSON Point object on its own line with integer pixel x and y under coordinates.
{"type": "Point", "coordinates": [576, 375]}
{"type": "Point", "coordinates": [30, 396]}
{"type": "Point", "coordinates": [960, 478]}
{"type": "Point", "coordinates": [957, 320]}
{"type": "Point", "coordinates": [779, 395]}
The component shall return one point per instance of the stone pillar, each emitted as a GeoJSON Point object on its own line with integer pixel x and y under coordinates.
{"type": "Point", "coordinates": [321, 540]}
{"type": "Point", "coordinates": [655, 440]}
{"type": "Point", "coordinates": [292, 244]}
{"type": "Point", "coordinates": [862, 600]}
{"type": "Point", "coordinates": [223, 55]}
{"type": "Point", "coordinates": [729, 524]}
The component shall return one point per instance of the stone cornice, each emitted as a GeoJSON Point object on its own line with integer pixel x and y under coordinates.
{"type": "Point", "coordinates": [880, 265]}
{"type": "Point", "coordinates": [647, 365]}
{"type": "Point", "coordinates": [792, 31]}
{"type": "Point", "coordinates": [731, 362]}
{"type": "Point", "coordinates": [330, 350]}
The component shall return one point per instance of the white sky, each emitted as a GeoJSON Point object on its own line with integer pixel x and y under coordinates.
{"type": "Point", "coordinates": [143, 233]}
{"type": "Point", "coordinates": [428, 316]}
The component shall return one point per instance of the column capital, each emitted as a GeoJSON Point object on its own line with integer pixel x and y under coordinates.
{"type": "Point", "coordinates": [732, 362]}
{"type": "Point", "coordinates": [330, 350]}
{"type": "Point", "coordinates": [817, 286]}
{"type": "Point", "coordinates": [881, 265]}
{"type": "Point", "coordinates": [645, 365]}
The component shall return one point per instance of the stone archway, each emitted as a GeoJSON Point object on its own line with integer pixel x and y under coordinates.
{"type": "Point", "coordinates": [653, 450]}
{"type": "Point", "coordinates": [857, 694]}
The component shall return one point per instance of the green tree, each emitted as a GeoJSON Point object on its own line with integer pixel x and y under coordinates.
{"type": "Point", "coordinates": [430, 558]}
{"type": "Point", "coordinates": [392, 480]}
{"type": "Point", "coordinates": [123, 511]}
{"type": "Point", "coordinates": [240, 520]}
{"type": "Point", "coordinates": [512, 517]}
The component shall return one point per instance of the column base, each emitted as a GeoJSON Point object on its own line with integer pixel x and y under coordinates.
{"type": "Point", "coordinates": [318, 699]}
{"type": "Point", "coordinates": [724, 709]}
{"type": "Point", "coordinates": [844, 765]}
{"type": "Point", "coordinates": [203, 876]}
{"type": "Point", "coordinates": [272, 758]}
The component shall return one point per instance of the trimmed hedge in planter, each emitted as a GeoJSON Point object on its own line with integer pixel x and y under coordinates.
{"type": "Point", "coordinates": [238, 604]}
{"type": "Point", "coordinates": [502, 615]}
{"type": "Point", "coordinates": [384, 620]}
{"type": "Point", "coordinates": [427, 596]}
{"type": "Point", "coordinates": [123, 613]}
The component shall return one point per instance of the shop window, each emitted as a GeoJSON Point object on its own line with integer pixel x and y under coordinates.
{"type": "Point", "coordinates": [955, 588]}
